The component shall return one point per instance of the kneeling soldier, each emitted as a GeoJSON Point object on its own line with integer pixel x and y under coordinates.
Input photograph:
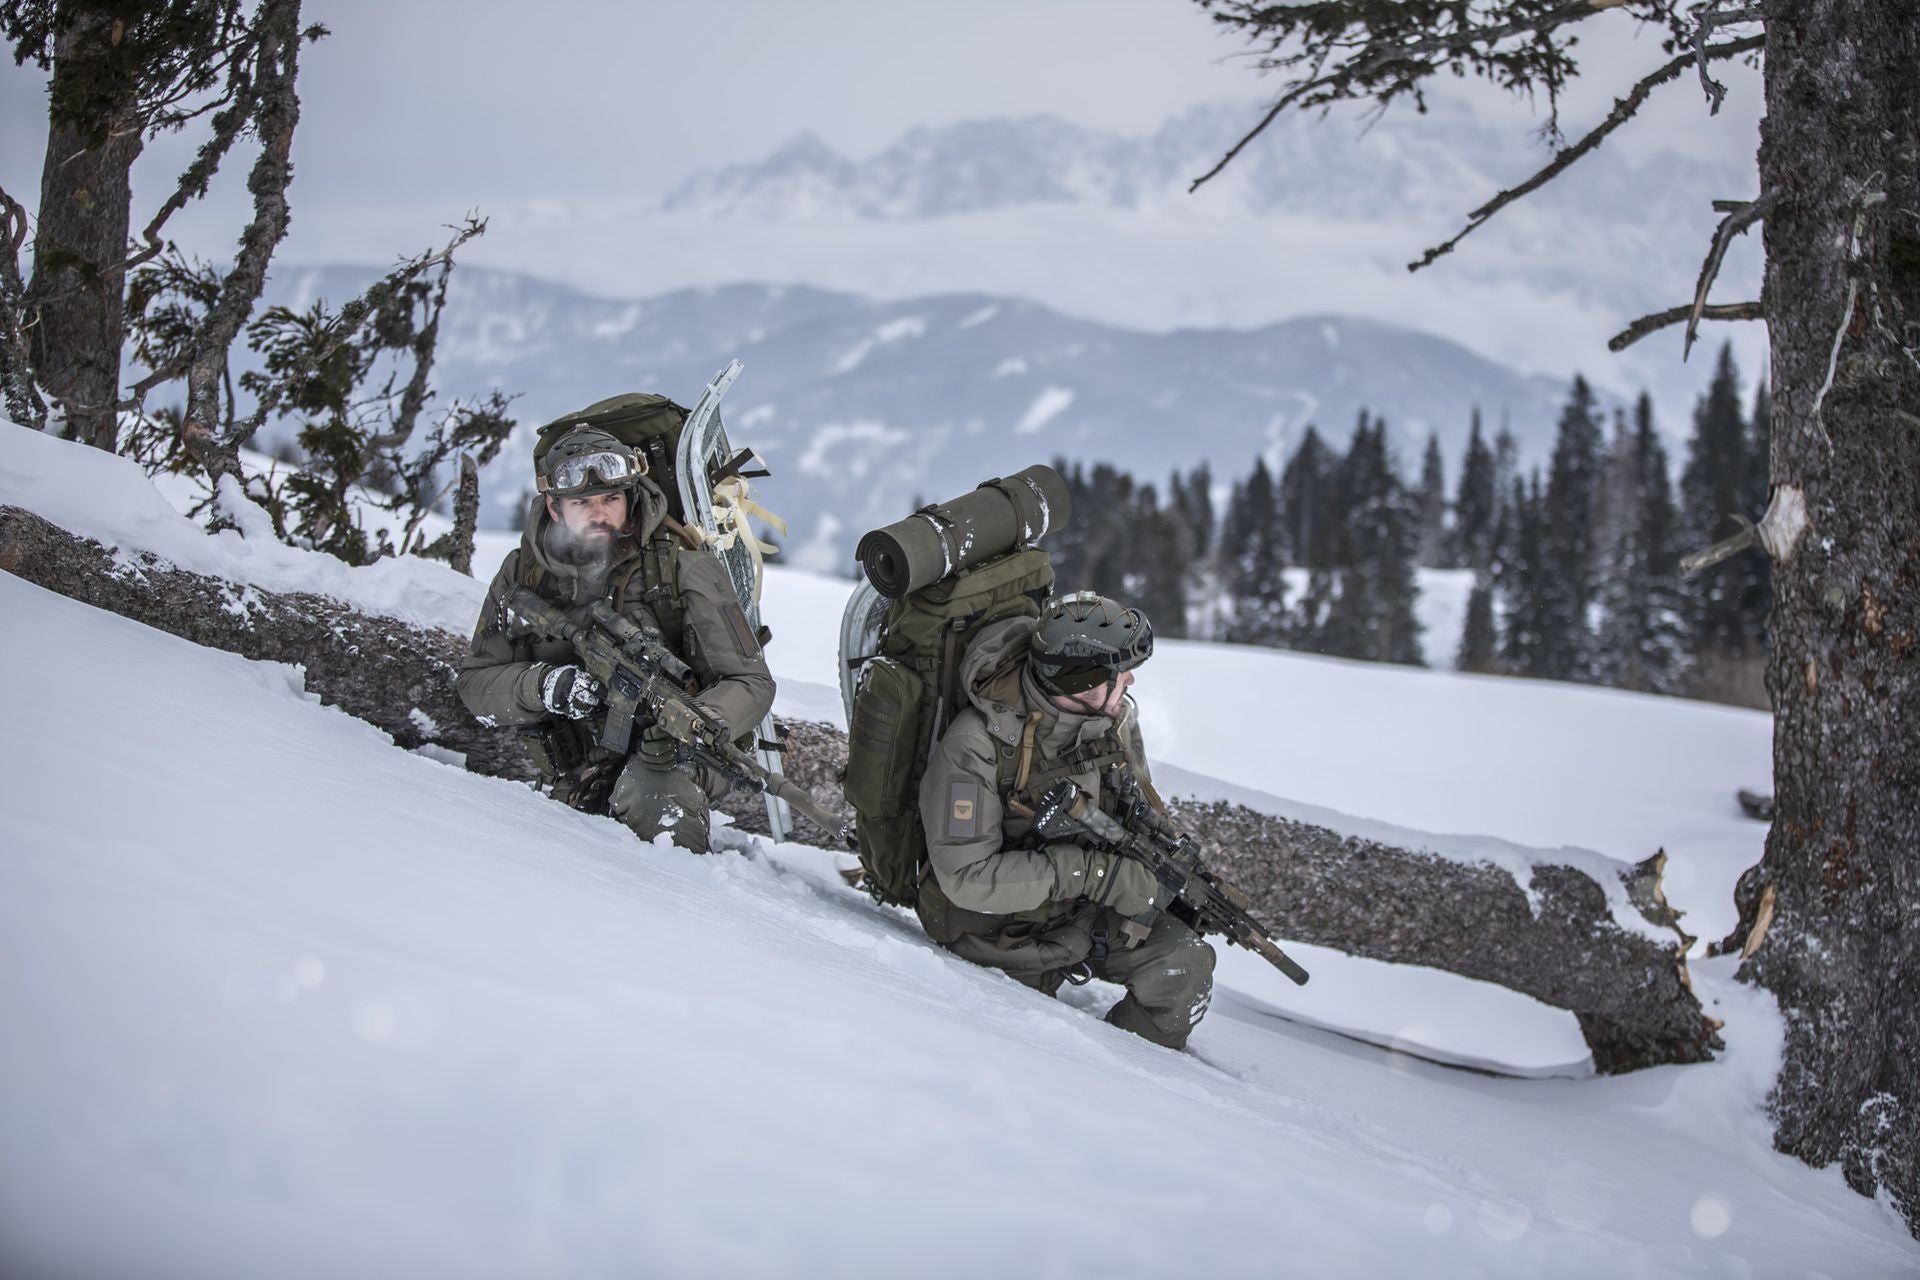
{"type": "Point", "coordinates": [601, 532]}
{"type": "Point", "coordinates": [997, 894]}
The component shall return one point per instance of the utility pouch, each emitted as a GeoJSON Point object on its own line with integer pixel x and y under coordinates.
{"type": "Point", "coordinates": [881, 778]}
{"type": "Point", "coordinates": [552, 749]}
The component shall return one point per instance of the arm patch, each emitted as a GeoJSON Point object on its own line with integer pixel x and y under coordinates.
{"type": "Point", "coordinates": [963, 809]}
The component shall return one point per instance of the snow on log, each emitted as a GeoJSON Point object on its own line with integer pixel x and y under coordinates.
{"type": "Point", "coordinates": [1554, 939]}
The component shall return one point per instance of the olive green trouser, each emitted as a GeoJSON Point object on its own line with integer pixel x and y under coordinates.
{"type": "Point", "coordinates": [676, 800]}
{"type": "Point", "coordinates": [1168, 977]}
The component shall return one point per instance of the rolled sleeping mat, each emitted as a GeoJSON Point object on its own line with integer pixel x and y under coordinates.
{"type": "Point", "coordinates": [946, 537]}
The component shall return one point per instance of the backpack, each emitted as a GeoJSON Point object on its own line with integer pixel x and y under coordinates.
{"type": "Point", "coordinates": [640, 420]}
{"type": "Point", "coordinates": [907, 696]}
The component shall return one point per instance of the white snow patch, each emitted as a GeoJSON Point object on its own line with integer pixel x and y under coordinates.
{"type": "Point", "coordinates": [620, 323]}
{"type": "Point", "coordinates": [1046, 406]}
{"type": "Point", "coordinates": [901, 329]}
{"type": "Point", "coordinates": [979, 317]}
{"type": "Point", "coordinates": [858, 463]}
{"type": "Point", "coordinates": [1011, 367]}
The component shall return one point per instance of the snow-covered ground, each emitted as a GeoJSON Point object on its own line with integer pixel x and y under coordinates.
{"type": "Point", "coordinates": [283, 1000]}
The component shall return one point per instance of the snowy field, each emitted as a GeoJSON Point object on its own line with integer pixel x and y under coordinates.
{"type": "Point", "coordinates": [284, 1000]}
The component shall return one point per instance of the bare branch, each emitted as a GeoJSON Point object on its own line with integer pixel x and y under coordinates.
{"type": "Point", "coordinates": [1416, 54]}
{"type": "Point", "coordinates": [19, 393]}
{"type": "Point", "coordinates": [1735, 223]}
{"type": "Point", "coordinates": [1711, 19]}
{"type": "Point", "coordinates": [1661, 319]}
{"type": "Point", "coordinates": [1623, 111]}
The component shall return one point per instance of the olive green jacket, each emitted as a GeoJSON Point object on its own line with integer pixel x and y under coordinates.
{"type": "Point", "coordinates": [501, 677]}
{"type": "Point", "coordinates": [975, 845]}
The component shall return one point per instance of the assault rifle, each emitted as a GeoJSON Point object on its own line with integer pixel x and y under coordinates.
{"type": "Point", "coordinates": [1198, 897]}
{"type": "Point", "coordinates": [646, 682]}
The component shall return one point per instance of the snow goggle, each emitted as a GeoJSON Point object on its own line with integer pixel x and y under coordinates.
{"type": "Point", "coordinates": [604, 469]}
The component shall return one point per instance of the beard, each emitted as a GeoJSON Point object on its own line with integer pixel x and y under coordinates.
{"type": "Point", "coordinates": [590, 548]}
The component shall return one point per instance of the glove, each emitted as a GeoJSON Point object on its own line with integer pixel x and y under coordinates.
{"type": "Point", "coordinates": [568, 691]}
{"type": "Point", "coordinates": [658, 750]}
{"type": "Point", "coordinates": [1103, 878]}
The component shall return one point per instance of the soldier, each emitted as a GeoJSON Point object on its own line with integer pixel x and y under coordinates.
{"type": "Point", "coordinates": [601, 531]}
{"type": "Point", "coordinates": [1053, 912]}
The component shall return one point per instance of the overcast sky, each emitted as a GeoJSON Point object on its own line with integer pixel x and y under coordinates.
{"type": "Point", "coordinates": [446, 105]}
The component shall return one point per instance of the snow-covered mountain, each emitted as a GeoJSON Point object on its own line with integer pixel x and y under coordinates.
{"type": "Point", "coordinates": [295, 1003]}
{"type": "Point", "coordinates": [860, 406]}
{"type": "Point", "coordinates": [1402, 166]}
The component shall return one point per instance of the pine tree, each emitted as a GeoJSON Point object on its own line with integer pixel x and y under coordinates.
{"type": "Point", "coordinates": [1307, 497]}
{"type": "Point", "coordinates": [1256, 583]}
{"type": "Point", "coordinates": [1432, 547]}
{"type": "Point", "coordinates": [1479, 642]}
{"type": "Point", "coordinates": [1194, 497]}
{"type": "Point", "coordinates": [1642, 639]}
{"type": "Point", "coordinates": [1160, 560]}
{"type": "Point", "coordinates": [1371, 615]}
{"type": "Point", "coordinates": [1566, 546]}
{"type": "Point", "coordinates": [1476, 507]}
{"type": "Point", "coordinates": [1517, 580]}
{"type": "Point", "coordinates": [1712, 489]}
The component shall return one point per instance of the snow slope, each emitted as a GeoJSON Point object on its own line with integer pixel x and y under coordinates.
{"type": "Point", "coordinates": [292, 1002]}
{"type": "Point", "coordinates": [295, 1003]}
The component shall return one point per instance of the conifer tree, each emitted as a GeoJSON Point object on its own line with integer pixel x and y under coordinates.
{"type": "Point", "coordinates": [1432, 550]}
{"type": "Point", "coordinates": [1643, 638]}
{"type": "Point", "coordinates": [1256, 582]}
{"type": "Point", "coordinates": [1566, 547]}
{"type": "Point", "coordinates": [1371, 615]}
{"type": "Point", "coordinates": [1476, 507]}
{"type": "Point", "coordinates": [1712, 489]}
{"type": "Point", "coordinates": [1479, 642]}
{"type": "Point", "coordinates": [1518, 580]}
{"type": "Point", "coordinates": [1306, 499]}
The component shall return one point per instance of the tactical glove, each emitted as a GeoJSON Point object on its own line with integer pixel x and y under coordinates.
{"type": "Point", "coordinates": [1103, 878]}
{"type": "Point", "coordinates": [657, 748]}
{"type": "Point", "coordinates": [568, 691]}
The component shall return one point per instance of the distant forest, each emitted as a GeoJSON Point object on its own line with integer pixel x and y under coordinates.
{"type": "Point", "coordinates": [1576, 571]}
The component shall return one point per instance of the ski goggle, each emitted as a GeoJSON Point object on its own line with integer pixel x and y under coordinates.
{"type": "Point", "coordinates": [603, 469]}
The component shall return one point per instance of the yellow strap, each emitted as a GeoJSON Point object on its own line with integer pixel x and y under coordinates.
{"type": "Point", "coordinates": [731, 508]}
{"type": "Point", "coordinates": [1026, 750]}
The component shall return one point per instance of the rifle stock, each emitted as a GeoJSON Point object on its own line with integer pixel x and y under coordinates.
{"type": "Point", "coordinates": [646, 683]}
{"type": "Point", "coordinates": [1208, 903]}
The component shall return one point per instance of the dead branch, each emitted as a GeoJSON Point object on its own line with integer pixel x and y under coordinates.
{"type": "Point", "coordinates": [276, 116]}
{"type": "Point", "coordinates": [1661, 319]}
{"type": "Point", "coordinates": [1778, 533]}
{"type": "Point", "coordinates": [1711, 19]}
{"type": "Point", "coordinates": [1735, 223]}
{"type": "Point", "coordinates": [19, 392]}
{"type": "Point", "coordinates": [1452, 44]}
{"type": "Point", "coordinates": [1624, 110]}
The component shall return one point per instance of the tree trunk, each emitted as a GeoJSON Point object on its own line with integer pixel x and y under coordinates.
{"type": "Point", "coordinates": [397, 677]}
{"type": "Point", "coordinates": [1840, 148]}
{"type": "Point", "coordinates": [76, 301]}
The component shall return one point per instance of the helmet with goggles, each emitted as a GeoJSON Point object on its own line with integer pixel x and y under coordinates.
{"type": "Point", "coordinates": [586, 461]}
{"type": "Point", "coordinates": [1085, 640]}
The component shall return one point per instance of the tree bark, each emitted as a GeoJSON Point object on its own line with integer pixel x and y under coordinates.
{"type": "Point", "coordinates": [1840, 149]}
{"type": "Point", "coordinates": [397, 677]}
{"type": "Point", "coordinates": [76, 302]}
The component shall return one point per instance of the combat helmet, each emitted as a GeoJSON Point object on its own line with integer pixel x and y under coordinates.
{"type": "Point", "coordinates": [587, 460]}
{"type": "Point", "coordinates": [1084, 640]}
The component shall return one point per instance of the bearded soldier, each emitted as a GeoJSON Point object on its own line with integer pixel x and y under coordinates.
{"type": "Point", "coordinates": [600, 530]}
{"type": "Point", "coordinates": [1051, 912]}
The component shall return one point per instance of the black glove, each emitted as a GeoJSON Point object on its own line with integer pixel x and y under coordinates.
{"type": "Point", "coordinates": [568, 691]}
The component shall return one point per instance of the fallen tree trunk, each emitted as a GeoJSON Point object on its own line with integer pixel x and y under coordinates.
{"type": "Point", "coordinates": [1555, 939]}
{"type": "Point", "coordinates": [394, 676]}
